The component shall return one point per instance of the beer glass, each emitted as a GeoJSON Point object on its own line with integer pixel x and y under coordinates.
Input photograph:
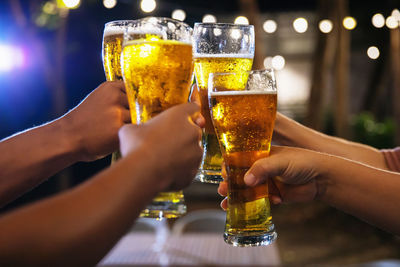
{"type": "Point", "coordinates": [157, 68]}
{"type": "Point", "coordinates": [218, 47]}
{"type": "Point", "coordinates": [113, 37]}
{"type": "Point", "coordinates": [243, 118]}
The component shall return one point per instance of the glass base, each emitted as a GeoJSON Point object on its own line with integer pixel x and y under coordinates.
{"type": "Point", "coordinates": [251, 239]}
{"type": "Point", "coordinates": [209, 176]}
{"type": "Point", "coordinates": [161, 210]}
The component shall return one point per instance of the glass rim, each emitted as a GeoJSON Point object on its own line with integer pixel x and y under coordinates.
{"type": "Point", "coordinates": [267, 70]}
{"type": "Point", "coordinates": [222, 24]}
{"type": "Point", "coordinates": [161, 19]}
{"type": "Point", "coordinates": [118, 22]}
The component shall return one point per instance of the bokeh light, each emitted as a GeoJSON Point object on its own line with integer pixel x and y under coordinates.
{"type": "Point", "coordinates": [72, 4]}
{"type": "Point", "coordinates": [349, 23]}
{"type": "Point", "coordinates": [109, 3]}
{"type": "Point", "coordinates": [148, 5]}
{"type": "Point", "coordinates": [278, 62]}
{"type": "Point", "coordinates": [208, 18]}
{"type": "Point", "coordinates": [242, 20]}
{"type": "Point", "coordinates": [270, 26]}
{"type": "Point", "coordinates": [378, 20]}
{"type": "Point", "coordinates": [391, 22]}
{"type": "Point", "coordinates": [268, 62]}
{"type": "Point", "coordinates": [325, 26]}
{"type": "Point", "coordinates": [179, 14]}
{"type": "Point", "coordinates": [373, 52]}
{"type": "Point", "coordinates": [11, 57]}
{"type": "Point", "coordinates": [300, 25]}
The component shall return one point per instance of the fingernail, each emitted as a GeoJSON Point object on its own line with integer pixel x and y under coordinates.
{"type": "Point", "coordinates": [250, 179]}
{"type": "Point", "coordinates": [276, 201]}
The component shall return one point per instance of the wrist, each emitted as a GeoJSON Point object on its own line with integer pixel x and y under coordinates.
{"type": "Point", "coordinates": [69, 138]}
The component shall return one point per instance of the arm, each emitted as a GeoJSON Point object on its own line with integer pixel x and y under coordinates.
{"type": "Point", "coordinates": [87, 132]}
{"type": "Point", "coordinates": [366, 192]}
{"type": "Point", "coordinates": [290, 133]}
{"type": "Point", "coordinates": [79, 227]}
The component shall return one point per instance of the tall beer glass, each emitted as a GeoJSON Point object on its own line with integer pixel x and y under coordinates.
{"type": "Point", "coordinates": [113, 37]}
{"type": "Point", "coordinates": [243, 117]}
{"type": "Point", "coordinates": [157, 66]}
{"type": "Point", "coordinates": [218, 47]}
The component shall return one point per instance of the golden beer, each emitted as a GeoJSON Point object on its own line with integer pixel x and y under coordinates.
{"type": "Point", "coordinates": [112, 48]}
{"type": "Point", "coordinates": [203, 66]}
{"type": "Point", "coordinates": [244, 122]}
{"type": "Point", "coordinates": [157, 75]}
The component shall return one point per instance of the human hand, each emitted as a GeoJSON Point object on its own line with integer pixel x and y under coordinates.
{"type": "Point", "coordinates": [93, 125]}
{"type": "Point", "coordinates": [290, 173]}
{"type": "Point", "coordinates": [171, 142]}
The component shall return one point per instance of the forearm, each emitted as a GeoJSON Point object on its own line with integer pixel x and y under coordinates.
{"type": "Point", "coordinates": [80, 226]}
{"type": "Point", "coordinates": [368, 193]}
{"type": "Point", "coordinates": [290, 133]}
{"type": "Point", "coordinates": [30, 157]}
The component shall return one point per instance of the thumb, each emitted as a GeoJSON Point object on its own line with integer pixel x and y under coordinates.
{"type": "Point", "coordinates": [264, 169]}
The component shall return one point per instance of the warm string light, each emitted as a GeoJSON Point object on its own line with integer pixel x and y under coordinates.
{"type": "Point", "coordinates": [325, 26]}
{"type": "Point", "coordinates": [109, 3]}
{"type": "Point", "coordinates": [349, 23]}
{"type": "Point", "coordinates": [241, 20]}
{"type": "Point", "coordinates": [373, 52]}
{"type": "Point", "coordinates": [179, 14]}
{"type": "Point", "coordinates": [71, 4]}
{"type": "Point", "coordinates": [300, 25]}
{"type": "Point", "coordinates": [148, 6]}
{"type": "Point", "coordinates": [208, 18]}
{"type": "Point", "coordinates": [270, 26]}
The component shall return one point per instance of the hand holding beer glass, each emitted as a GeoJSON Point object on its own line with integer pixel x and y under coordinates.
{"type": "Point", "coordinates": [157, 69]}
{"type": "Point", "coordinates": [218, 47]}
{"type": "Point", "coordinates": [243, 117]}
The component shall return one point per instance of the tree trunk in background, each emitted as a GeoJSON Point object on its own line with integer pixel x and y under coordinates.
{"type": "Point", "coordinates": [323, 60]}
{"type": "Point", "coordinates": [395, 59]}
{"type": "Point", "coordinates": [342, 71]}
{"type": "Point", "coordinates": [250, 9]}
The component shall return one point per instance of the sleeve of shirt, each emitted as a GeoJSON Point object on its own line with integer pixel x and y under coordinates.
{"type": "Point", "coordinates": [392, 158]}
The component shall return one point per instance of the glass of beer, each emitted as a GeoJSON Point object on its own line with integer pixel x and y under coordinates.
{"type": "Point", "coordinates": [113, 37]}
{"type": "Point", "coordinates": [243, 118]}
{"type": "Point", "coordinates": [157, 68]}
{"type": "Point", "coordinates": [218, 47]}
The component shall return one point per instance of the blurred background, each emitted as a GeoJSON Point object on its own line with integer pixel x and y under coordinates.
{"type": "Point", "coordinates": [338, 71]}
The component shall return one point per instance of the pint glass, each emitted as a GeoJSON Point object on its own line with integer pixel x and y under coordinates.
{"type": "Point", "coordinates": [157, 68]}
{"type": "Point", "coordinates": [243, 117]}
{"type": "Point", "coordinates": [218, 47]}
{"type": "Point", "coordinates": [113, 37]}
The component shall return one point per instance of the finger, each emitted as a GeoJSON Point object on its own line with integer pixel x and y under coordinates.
{"type": "Point", "coordinates": [224, 204]}
{"type": "Point", "coordinates": [126, 116]}
{"type": "Point", "coordinates": [120, 85]}
{"type": "Point", "coordinates": [126, 130]}
{"type": "Point", "coordinates": [123, 100]}
{"type": "Point", "coordinates": [273, 191]}
{"type": "Point", "coordinates": [223, 189]}
{"type": "Point", "coordinates": [265, 168]}
{"type": "Point", "coordinates": [198, 119]}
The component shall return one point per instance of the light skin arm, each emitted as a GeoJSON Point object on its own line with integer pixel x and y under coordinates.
{"type": "Point", "coordinates": [79, 227]}
{"type": "Point", "coordinates": [290, 133]}
{"type": "Point", "coordinates": [87, 132]}
{"type": "Point", "coordinates": [368, 193]}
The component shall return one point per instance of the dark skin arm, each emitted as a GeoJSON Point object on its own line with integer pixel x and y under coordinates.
{"type": "Point", "coordinates": [300, 175]}
{"type": "Point", "coordinates": [79, 227]}
{"type": "Point", "coordinates": [290, 133]}
{"type": "Point", "coordinates": [86, 133]}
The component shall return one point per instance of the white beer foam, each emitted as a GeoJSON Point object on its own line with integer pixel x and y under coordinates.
{"type": "Point", "coordinates": [198, 55]}
{"type": "Point", "coordinates": [113, 30]}
{"type": "Point", "coordinates": [244, 92]}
